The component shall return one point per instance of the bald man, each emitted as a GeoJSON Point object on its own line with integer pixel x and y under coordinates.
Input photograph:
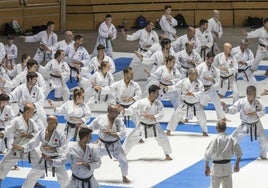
{"type": "Point", "coordinates": [215, 27]}
{"type": "Point", "coordinates": [111, 129]}
{"type": "Point", "coordinates": [228, 66]}
{"type": "Point", "coordinates": [53, 145]}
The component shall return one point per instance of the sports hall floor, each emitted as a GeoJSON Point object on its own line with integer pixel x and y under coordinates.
{"type": "Point", "coordinates": [147, 167]}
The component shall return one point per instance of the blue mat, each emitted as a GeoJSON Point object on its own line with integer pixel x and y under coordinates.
{"type": "Point", "coordinates": [121, 63]}
{"type": "Point", "coordinates": [263, 67]}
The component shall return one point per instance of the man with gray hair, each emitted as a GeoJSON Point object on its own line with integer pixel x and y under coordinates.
{"type": "Point", "coordinates": [215, 27]}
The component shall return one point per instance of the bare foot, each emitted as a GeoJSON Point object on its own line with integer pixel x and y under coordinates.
{"type": "Point", "coordinates": [126, 180]}
{"type": "Point", "coordinates": [205, 134]}
{"type": "Point", "coordinates": [168, 158]}
{"type": "Point", "coordinates": [168, 133]}
{"type": "Point", "coordinates": [221, 96]}
{"type": "Point", "coordinates": [265, 92]}
{"type": "Point", "coordinates": [15, 167]}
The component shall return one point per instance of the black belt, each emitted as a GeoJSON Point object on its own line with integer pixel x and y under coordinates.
{"type": "Point", "coordinates": [206, 87]}
{"type": "Point", "coordinates": [74, 69]}
{"type": "Point", "coordinates": [126, 118]}
{"type": "Point", "coordinates": [262, 45]}
{"type": "Point", "coordinates": [203, 52]}
{"type": "Point", "coordinates": [164, 84]}
{"type": "Point", "coordinates": [190, 105]}
{"type": "Point", "coordinates": [107, 143]}
{"type": "Point", "coordinates": [250, 130]}
{"type": "Point", "coordinates": [45, 164]}
{"type": "Point", "coordinates": [84, 180]}
{"type": "Point", "coordinates": [55, 76]}
{"type": "Point", "coordinates": [143, 50]}
{"type": "Point", "coordinates": [148, 125]}
{"type": "Point", "coordinates": [244, 71]}
{"type": "Point", "coordinates": [5, 139]}
{"type": "Point", "coordinates": [224, 161]}
{"type": "Point", "coordinates": [225, 78]}
{"type": "Point", "coordinates": [72, 125]}
{"type": "Point", "coordinates": [41, 49]}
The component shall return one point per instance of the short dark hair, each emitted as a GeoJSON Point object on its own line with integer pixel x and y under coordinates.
{"type": "Point", "coordinates": [31, 75]}
{"type": "Point", "coordinates": [164, 42]}
{"type": "Point", "coordinates": [10, 36]}
{"type": "Point", "coordinates": [210, 54]}
{"type": "Point", "coordinates": [153, 88]}
{"type": "Point", "coordinates": [251, 88]}
{"type": "Point", "coordinates": [58, 53]}
{"type": "Point", "coordinates": [167, 6]}
{"type": "Point", "coordinates": [31, 63]}
{"type": "Point", "coordinates": [77, 37]}
{"type": "Point", "coordinates": [4, 97]}
{"type": "Point", "coordinates": [83, 132]}
{"type": "Point", "coordinates": [108, 16]}
{"type": "Point", "coordinates": [127, 70]}
{"type": "Point", "coordinates": [100, 47]}
{"type": "Point", "coordinates": [24, 56]}
{"type": "Point", "coordinates": [221, 125]}
{"type": "Point", "coordinates": [202, 22]}
{"type": "Point", "coordinates": [49, 23]}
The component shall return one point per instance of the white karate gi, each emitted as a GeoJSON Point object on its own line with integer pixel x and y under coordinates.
{"type": "Point", "coordinates": [243, 107]}
{"type": "Point", "coordinates": [21, 94]}
{"type": "Point", "coordinates": [168, 78]}
{"type": "Point", "coordinates": [216, 30]}
{"type": "Point", "coordinates": [206, 39]}
{"type": "Point", "coordinates": [262, 52]}
{"type": "Point", "coordinates": [223, 147]}
{"type": "Point", "coordinates": [179, 43]}
{"type": "Point", "coordinates": [44, 38]}
{"type": "Point", "coordinates": [182, 61]}
{"type": "Point", "coordinates": [210, 93]}
{"type": "Point", "coordinates": [120, 90]}
{"type": "Point", "coordinates": [197, 88]}
{"type": "Point", "coordinates": [81, 55]}
{"type": "Point", "coordinates": [16, 71]}
{"type": "Point", "coordinates": [97, 98]}
{"type": "Point", "coordinates": [75, 154]}
{"type": "Point", "coordinates": [103, 39]}
{"type": "Point", "coordinates": [154, 48]}
{"type": "Point", "coordinates": [12, 53]}
{"type": "Point", "coordinates": [2, 52]}
{"type": "Point", "coordinates": [168, 26]}
{"type": "Point", "coordinates": [68, 110]}
{"type": "Point", "coordinates": [94, 64]}
{"type": "Point", "coordinates": [54, 67]}
{"type": "Point", "coordinates": [145, 39]}
{"type": "Point", "coordinates": [17, 127]}
{"type": "Point", "coordinates": [58, 141]}
{"type": "Point", "coordinates": [244, 71]}
{"type": "Point", "coordinates": [228, 80]}
{"type": "Point", "coordinates": [114, 148]}
{"type": "Point", "coordinates": [5, 120]}
{"type": "Point", "coordinates": [4, 75]}
{"type": "Point", "coordinates": [22, 78]}
{"type": "Point", "coordinates": [144, 106]}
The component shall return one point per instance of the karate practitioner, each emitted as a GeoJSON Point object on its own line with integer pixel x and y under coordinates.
{"type": "Point", "coordinates": [150, 111]}
{"type": "Point", "coordinates": [167, 24]}
{"type": "Point", "coordinates": [228, 66]}
{"type": "Point", "coordinates": [76, 112]}
{"type": "Point", "coordinates": [110, 130]}
{"type": "Point", "coordinates": [20, 67]}
{"type": "Point", "coordinates": [30, 92]}
{"type": "Point", "coordinates": [59, 75]}
{"type": "Point", "coordinates": [6, 115]}
{"type": "Point", "coordinates": [245, 60]}
{"type": "Point", "coordinates": [221, 150]}
{"type": "Point", "coordinates": [147, 37]}
{"type": "Point", "coordinates": [107, 33]}
{"type": "Point", "coordinates": [205, 37]}
{"type": "Point", "coordinates": [192, 89]}
{"type": "Point", "coordinates": [76, 56]}
{"type": "Point", "coordinates": [251, 110]}
{"type": "Point", "coordinates": [180, 43]}
{"type": "Point", "coordinates": [215, 27]}
{"type": "Point", "coordinates": [11, 52]}
{"type": "Point", "coordinates": [84, 159]}
{"type": "Point", "coordinates": [262, 51]}
{"type": "Point", "coordinates": [23, 129]}
{"type": "Point", "coordinates": [53, 146]}
{"type": "Point", "coordinates": [209, 75]}
{"type": "Point", "coordinates": [47, 39]}
{"type": "Point", "coordinates": [187, 58]}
